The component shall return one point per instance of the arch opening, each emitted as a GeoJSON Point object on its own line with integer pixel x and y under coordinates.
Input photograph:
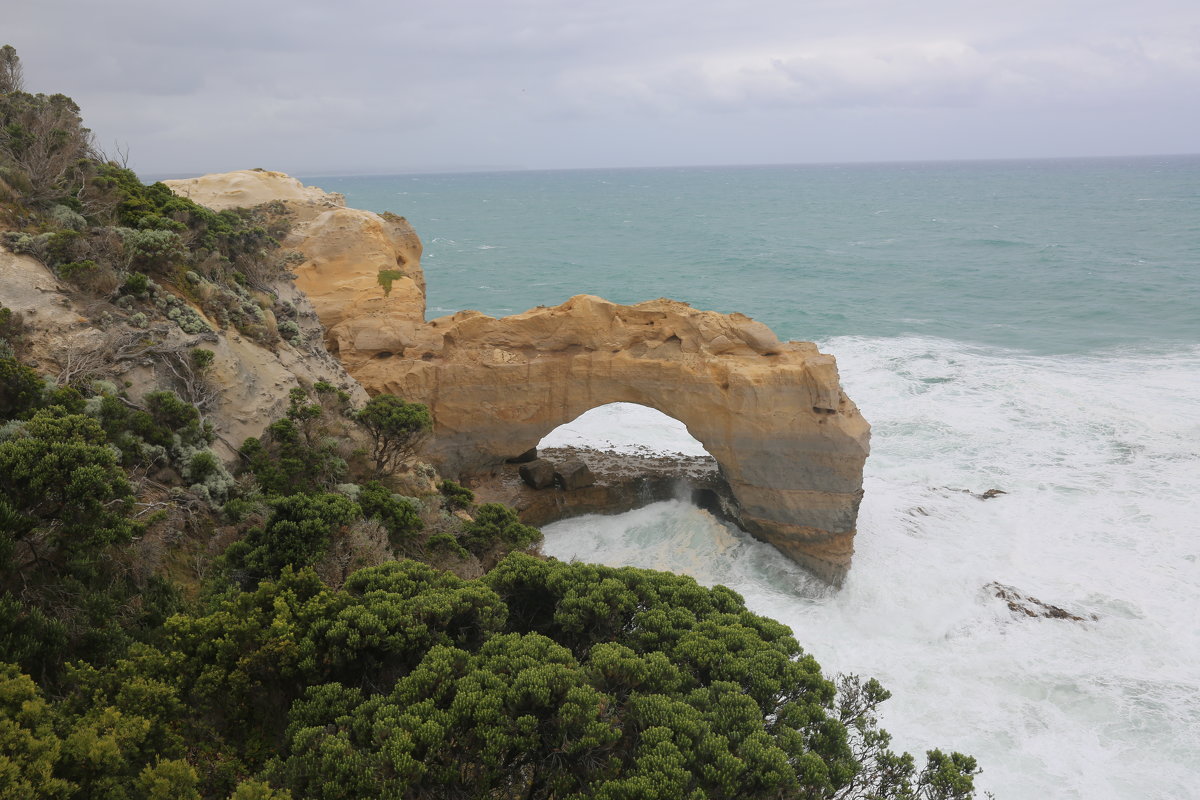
{"type": "Point", "coordinates": [626, 428]}
{"type": "Point", "coordinates": [612, 458]}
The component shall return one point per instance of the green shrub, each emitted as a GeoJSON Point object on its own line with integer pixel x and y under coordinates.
{"type": "Point", "coordinates": [153, 251]}
{"type": "Point", "coordinates": [398, 515]}
{"type": "Point", "coordinates": [136, 284]}
{"type": "Point", "coordinates": [297, 535]}
{"type": "Point", "coordinates": [202, 359]}
{"type": "Point", "coordinates": [78, 271]}
{"type": "Point", "coordinates": [455, 497]}
{"type": "Point", "coordinates": [20, 388]}
{"type": "Point", "coordinates": [386, 277]}
{"type": "Point", "coordinates": [397, 429]}
{"type": "Point", "coordinates": [496, 527]}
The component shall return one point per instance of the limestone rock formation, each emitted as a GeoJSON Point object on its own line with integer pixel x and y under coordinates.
{"type": "Point", "coordinates": [360, 270]}
{"type": "Point", "coordinates": [788, 441]}
{"type": "Point", "coordinates": [251, 187]}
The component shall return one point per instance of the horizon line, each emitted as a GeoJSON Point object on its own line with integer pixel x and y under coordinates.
{"type": "Point", "coordinates": [486, 169]}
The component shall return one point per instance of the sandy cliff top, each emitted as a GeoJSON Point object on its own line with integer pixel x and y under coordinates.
{"type": "Point", "coordinates": [251, 187]}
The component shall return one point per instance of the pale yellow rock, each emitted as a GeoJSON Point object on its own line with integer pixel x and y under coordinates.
{"type": "Point", "coordinates": [790, 443]}
{"type": "Point", "coordinates": [251, 187]}
{"type": "Point", "coordinates": [343, 252]}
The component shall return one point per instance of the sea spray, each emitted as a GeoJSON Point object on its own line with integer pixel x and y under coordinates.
{"type": "Point", "coordinates": [1098, 456]}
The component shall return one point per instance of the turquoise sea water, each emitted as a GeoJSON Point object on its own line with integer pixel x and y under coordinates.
{"type": "Point", "coordinates": [1028, 326]}
{"type": "Point", "coordinates": [1046, 256]}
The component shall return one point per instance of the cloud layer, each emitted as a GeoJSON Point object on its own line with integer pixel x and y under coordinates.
{"type": "Point", "coordinates": [308, 86]}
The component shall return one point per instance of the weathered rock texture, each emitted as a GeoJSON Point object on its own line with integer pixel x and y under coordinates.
{"type": "Point", "coordinates": [70, 332]}
{"type": "Point", "coordinates": [788, 441]}
{"type": "Point", "coordinates": [623, 482]}
{"type": "Point", "coordinates": [344, 252]}
{"type": "Point", "coordinates": [251, 187]}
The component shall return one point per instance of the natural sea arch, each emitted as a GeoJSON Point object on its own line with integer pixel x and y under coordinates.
{"type": "Point", "coordinates": [790, 444]}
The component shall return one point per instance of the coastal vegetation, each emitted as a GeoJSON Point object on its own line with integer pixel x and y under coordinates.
{"type": "Point", "coordinates": [324, 616]}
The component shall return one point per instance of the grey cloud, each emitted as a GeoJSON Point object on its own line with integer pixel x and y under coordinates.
{"type": "Point", "coordinates": [359, 84]}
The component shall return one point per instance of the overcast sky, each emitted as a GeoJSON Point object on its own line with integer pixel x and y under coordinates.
{"type": "Point", "coordinates": [356, 85]}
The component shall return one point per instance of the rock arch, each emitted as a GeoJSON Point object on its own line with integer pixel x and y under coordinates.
{"type": "Point", "coordinates": [789, 442]}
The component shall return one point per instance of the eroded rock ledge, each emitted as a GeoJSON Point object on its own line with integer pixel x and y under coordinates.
{"type": "Point", "coordinates": [623, 482]}
{"type": "Point", "coordinates": [789, 443]}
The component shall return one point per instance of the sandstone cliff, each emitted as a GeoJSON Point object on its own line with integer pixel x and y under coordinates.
{"type": "Point", "coordinates": [788, 441]}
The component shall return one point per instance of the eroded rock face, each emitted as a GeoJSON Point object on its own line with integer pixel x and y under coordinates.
{"type": "Point", "coordinates": [360, 270]}
{"type": "Point", "coordinates": [789, 442]}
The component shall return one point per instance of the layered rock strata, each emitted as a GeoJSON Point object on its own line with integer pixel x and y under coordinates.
{"type": "Point", "coordinates": [789, 443]}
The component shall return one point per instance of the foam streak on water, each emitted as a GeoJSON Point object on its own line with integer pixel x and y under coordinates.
{"type": "Point", "coordinates": [1100, 456]}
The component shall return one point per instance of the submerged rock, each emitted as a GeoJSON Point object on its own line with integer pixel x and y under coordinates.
{"type": "Point", "coordinates": [1029, 606]}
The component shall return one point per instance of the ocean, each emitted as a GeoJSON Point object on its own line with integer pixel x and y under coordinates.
{"type": "Point", "coordinates": [1028, 326]}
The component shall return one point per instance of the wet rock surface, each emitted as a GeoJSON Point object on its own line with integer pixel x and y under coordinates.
{"type": "Point", "coordinates": [1025, 605]}
{"type": "Point", "coordinates": [537, 474]}
{"type": "Point", "coordinates": [621, 482]}
{"type": "Point", "coordinates": [573, 474]}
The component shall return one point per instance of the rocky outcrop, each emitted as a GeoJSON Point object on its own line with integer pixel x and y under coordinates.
{"type": "Point", "coordinates": [622, 482]}
{"type": "Point", "coordinates": [360, 270]}
{"type": "Point", "coordinates": [789, 443]}
{"type": "Point", "coordinates": [537, 474]}
{"type": "Point", "coordinates": [1022, 604]}
{"type": "Point", "coordinates": [251, 187]}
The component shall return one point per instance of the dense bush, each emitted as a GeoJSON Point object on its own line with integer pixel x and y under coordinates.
{"type": "Point", "coordinates": [397, 428]}
{"type": "Point", "coordinates": [20, 388]}
{"type": "Point", "coordinates": [296, 453]}
{"type": "Point", "coordinates": [298, 533]}
{"type": "Point", "coordinates": [455, 497]}
{"type": "Point", "coordinates": [397, 514]}
{"type": "Point", "coordinates": [496, 527]}
{"type": "Point", "coordinates": [542, 680]}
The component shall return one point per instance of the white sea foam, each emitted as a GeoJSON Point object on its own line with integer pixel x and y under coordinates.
{"type": "Point", "coordinates": [625, 428]}
{"type": "Point", "coordinates": [1100, 457]}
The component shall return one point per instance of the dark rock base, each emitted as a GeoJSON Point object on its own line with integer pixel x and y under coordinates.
{"type": "Point", "coordinates": [622, 483]}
